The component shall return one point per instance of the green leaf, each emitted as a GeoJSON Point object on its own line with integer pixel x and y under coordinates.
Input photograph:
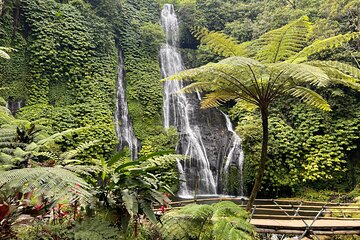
{"type": "Point", "coordinates": [146, 207]}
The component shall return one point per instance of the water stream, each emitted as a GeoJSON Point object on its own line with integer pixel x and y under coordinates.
{"type": "Point", "coordinates": [177, 112]}
{"type": "Point", "coordinates": [206, 136]}
{"type": "Point", "coordinates": [123, 126]}
{"type": "Point", "coordinates": [235, 154]}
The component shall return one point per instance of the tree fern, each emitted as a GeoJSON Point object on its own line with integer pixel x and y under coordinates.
{"type": "Point", "coordinates": [54, 182]}
{"type": "Point", "coordinates": [280, 68]}
{"type": "Point", "coordinates": [223, 220]}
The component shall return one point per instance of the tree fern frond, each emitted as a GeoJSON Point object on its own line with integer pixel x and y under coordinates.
{"type": "Point", "coordinates": [217, 98]}
{"type": "Point", "coordinates": [303, 73]}
{"type": "Point", "coordinates": [220, 43]}
{"type": "Point", "coordinates": [11, 144]}
{"type": "Point", "coordinates": [240, 61]}
{"type": "Point", "coordinates": [223, 220]}
{"type": "Point", "coordinates": [347, 83]}
{"type": "Point", "coordinates": [58, 135]}
{"type": "Point", "coordinates": [49, 155]}
{"type": "Point", "coordinates": [73, 153]}
{"type": "Point", "coordinates": [5, 110]}
{"type": "Point", "coordinates": [84, 170]}
{"type": "Point", "coordinates": [3, 54]}
{"type": "Point", "coordinates": [320, 45]}
{"type": "Point", "coordinates": [342, 67]}
{"type": "Point", "coordinates": [198, 87]}
{"type": "Point", "coordinates": [281, 43]}
{"type": "Point", "coordinates": [53, 181]}
{"type": "Point", "coordinates": [310, 97]}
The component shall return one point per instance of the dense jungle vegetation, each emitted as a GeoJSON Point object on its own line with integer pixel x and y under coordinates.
{"type": "Point", "coordinates": [58, 158]}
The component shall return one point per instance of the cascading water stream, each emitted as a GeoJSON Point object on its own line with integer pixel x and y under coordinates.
{"type": "Point", "coordinates": [123, 126]}
{"type": "Point", "coordinates": [178, 111]}
{"type": "Point", "coordinates": [235, 154]}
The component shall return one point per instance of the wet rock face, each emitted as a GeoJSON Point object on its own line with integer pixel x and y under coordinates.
{"type": "Point", "coordinates": [216, 139]}
{"type": "Point", "coordinates": [205, 135]}
{"type": "Point", "coordinates": [15, 105]}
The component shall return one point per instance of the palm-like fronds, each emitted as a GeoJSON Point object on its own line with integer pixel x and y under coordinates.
{"type": "Point", "coordinates": [303, 73]}
{"type": "Point", "coordinates": [78, 150]}
{"type": "Point", "coordinates": [217, 98]}
{"type": "Point", "coordinates": [320, 45]}
{"type": "Point", "coordinates": [187, 223]}
{"type": "Point", "coordinates": [231, 222]}
{"type": "Point", "coordinates": [279, 44]}
{"type": "Point", "coordinates": [220, 43]}
{"type": "Point", "coordinates": [342, 67]}
{"type": "Point", "coordinates": [223, 220]}
{"type": "Point", "coordinates": [310, 97]}
{"type": "Point", "coordinates": [54, 182]}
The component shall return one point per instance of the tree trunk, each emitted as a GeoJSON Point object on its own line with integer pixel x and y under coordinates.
{"type": "Point", "coordinates": [264, 147]}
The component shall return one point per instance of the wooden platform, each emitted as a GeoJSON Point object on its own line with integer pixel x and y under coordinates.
{"type": "Point", "coordinates": [319, 227]}
{"type": "Point", "coordinates": [301, 224]}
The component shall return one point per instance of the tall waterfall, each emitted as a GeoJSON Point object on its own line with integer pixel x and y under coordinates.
{"type": "Point", "coordinates": [207, 136]}
{"type": "Point", "coordinates": [177, 112]}
{"type": "Point", "coordinates": [123, 126]}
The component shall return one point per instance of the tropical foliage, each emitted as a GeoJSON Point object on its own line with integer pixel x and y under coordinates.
{"type": "Point", "coordinates": [223, 220]}
{"type": "Point", "coordinates": [60, 175]}
{"type": "Point", "coordinates": [278, 66]}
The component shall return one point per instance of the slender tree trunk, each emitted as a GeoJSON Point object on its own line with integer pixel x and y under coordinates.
{"type": "Point", "coordinates": [264, 147]}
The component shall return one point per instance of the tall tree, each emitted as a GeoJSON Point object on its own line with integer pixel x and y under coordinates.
{"type": "Point", "coordinates": [259, 72]}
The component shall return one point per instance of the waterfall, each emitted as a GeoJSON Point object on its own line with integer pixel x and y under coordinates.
{"type": "Point", "coordinates": [235, 154]}
{"type": "Point", "coordinates": [14, 105]}
{"type": "Point", "coordinates": [123, 126]}
{"type": "Point", "coordinates": [178, 110]}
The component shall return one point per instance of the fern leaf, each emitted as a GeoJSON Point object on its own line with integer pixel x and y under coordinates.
{"type": "Point", "coordinates": [240, 61]}
{"type": "Point", "coordinates": [217, 98]}
{"type": "Point", "coordinates": [55, 182]}
{"type": "Point", "coordinates": [342, 67]}
{"type": "Point", "coordinates": [320, 45]}
{"type": "Point", "coordinates": [310, 97]}
{"type": "Point", "coordinates": [48, 155]}
{"type": "Point", "coordinates": [220, 43]}
{"type": "Point", "coordinates": [58, 135]}
{"type": "Point", "coordinates": [198, 87]}
{"type": "Point", "coordinates": [73, 153]}
{"type": "Point", "coordinates": [279, 44]}
{"type": "Point", "coordinates": [303, 73]}
{"type": "Point", "coordinates": [347, 83]}
{"type": "Point", "coordinates": [3, 54]}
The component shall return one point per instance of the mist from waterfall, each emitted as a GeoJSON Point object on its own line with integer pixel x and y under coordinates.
{"type": "Point", "coordinates": [177, 112]}
{"type": "Point", "coordinates": [123, 126]}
